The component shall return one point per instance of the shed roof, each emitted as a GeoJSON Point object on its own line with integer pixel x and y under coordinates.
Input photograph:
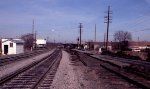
{"type": "Point", "coordinates": [18, 41]}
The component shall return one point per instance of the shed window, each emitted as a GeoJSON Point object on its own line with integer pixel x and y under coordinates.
{"type": "Point", "coordinates": [11, 44]}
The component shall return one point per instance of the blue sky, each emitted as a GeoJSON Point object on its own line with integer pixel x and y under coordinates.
{"type": "Point", "coordinates": [64, 16]}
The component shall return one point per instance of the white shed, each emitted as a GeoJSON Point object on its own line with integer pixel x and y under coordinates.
{"type": "Point", "coordinates": [12, 46]}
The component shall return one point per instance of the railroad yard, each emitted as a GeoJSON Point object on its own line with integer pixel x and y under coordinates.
{"type": "Point", "coordinates": [73, 69]}
{"type": "Point", "coordinates": [75, 44]}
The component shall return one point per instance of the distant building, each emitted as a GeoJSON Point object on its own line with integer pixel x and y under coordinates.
{"type": "Point", "coordinates": [40, 43]}
{"type": "Point", "coordinates": [138, 46]}
{"type": "Point", "coordinates": [12, 46]}
{"type": "Point", "coordinates": [97, 45]}
{"type": "Point", "coordinates": [132, 45]}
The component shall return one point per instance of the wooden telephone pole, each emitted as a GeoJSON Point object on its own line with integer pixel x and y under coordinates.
{"type": "Point", "coordinates": [95, 33]}
{"type": "Point", "coordinates": [104, 40]}
{"type": "Point", "coordinates": [34, 33]}
{"type": "Point", "coordinates": [80, 27]}
{"type": "Point", "coordinates": [33, 27]}
{"type": "Point", "coordinates": [108, 20]}
{"type": "Point", "coordinates": [33, 41]}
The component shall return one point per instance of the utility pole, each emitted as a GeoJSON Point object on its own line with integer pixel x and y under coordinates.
{"type": "Point", "coordinates": [108, 19]}
{"type": "Point", "coordinates": [35, 38]}
{"type": "Point", "coordinates": [33, 35]}
{"type": "Point", "coordinates": [104, 40]}
{"type": "Point", "coordinates": [47, 38]}
{"type": "Point", "coordinates": [78, 41]}
{"type": "Point", "coordinates": [80, 27]}
{"type": "Point", "coordinates": [95, 32]}
{"type": "Point", "coordinates": [33, 27]}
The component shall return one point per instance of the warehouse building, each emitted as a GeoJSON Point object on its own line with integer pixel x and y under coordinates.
{"type": "Point", "coordinates": [40, 43]}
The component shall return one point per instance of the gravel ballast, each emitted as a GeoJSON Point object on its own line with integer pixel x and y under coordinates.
{"type": "Point", "coordinates": [65, 77]}
{"type": "Point", "coordinates": [72, 74]}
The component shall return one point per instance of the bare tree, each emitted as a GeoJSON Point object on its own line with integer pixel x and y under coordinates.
{"type": "Point", "coordinates": [122, 38]}
{"type": "Point", "coordinates": [29, 39]}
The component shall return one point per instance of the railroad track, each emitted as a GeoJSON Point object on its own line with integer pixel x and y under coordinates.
{"type": "Point", "coordinates": [125, 74]}
{"type": "Point", "coordinates": [130, 61]}
{"type": "Point", "coordinates": [36, 76]}
{"type": "Point", "coordinates": [14, 58]}
{"type": "Point", "coordinates": [138, 67]}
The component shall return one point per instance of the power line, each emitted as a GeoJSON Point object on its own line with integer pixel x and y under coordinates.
{"type": "Point", "coordinates": [134, 23]}
{"type": "Point", "coordinates": [141, 30]}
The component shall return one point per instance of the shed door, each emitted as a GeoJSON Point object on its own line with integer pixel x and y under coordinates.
{"type": "Point", "coordinates": [19, 48]}
{"type": "Point", "coordinates": [5, 49]}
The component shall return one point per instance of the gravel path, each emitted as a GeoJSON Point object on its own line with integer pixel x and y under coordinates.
{"type": "Point", "coordinates": [10, 68]}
